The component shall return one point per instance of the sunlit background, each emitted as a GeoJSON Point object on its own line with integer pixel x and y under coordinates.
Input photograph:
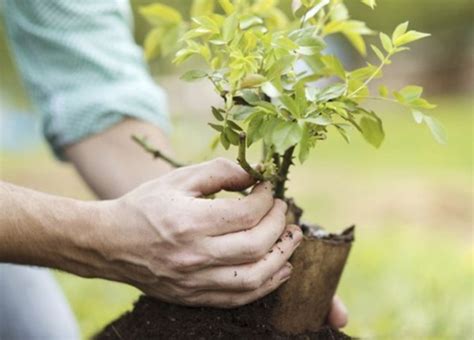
{"type": "Point", "coordinates": [410, 274]}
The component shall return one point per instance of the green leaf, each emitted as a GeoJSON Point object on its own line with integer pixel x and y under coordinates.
{"type": "Point", "coordinates": [300, 98]}
{"type": "Point", "coordinates": [399, 31]}
{"type": "Point", "coordinates": [224, 141]}
{"type": "Point", "coordinates": [422, 103]}
{"type": "Point", "coordinates": [331, 92]}
{"type": "Point", "coordinates": [152, 43]}
{"type": "Point", "coordinates": [234, 126]}
{"type": "Point", "coordinates": [372, 131]}
{"type": "Point", "coordinates": [217, 114]}
{"type": "Point", "coordinates": [193, 75]}
{"type": "Point", "coordinates": [227, 6]}
{"type": "Point", "coordinates": [342, 131]}
{"type": "Point", "coordinates": [409, 37]}
{"type": "Point", "coordinates": [252, 80]}
{"type": "Point", "coordinates": [358, 42]}
{"type": "Point", "coordinates": [231, 136]}
{"type": "Point", "coordinates": [418, 116]}
{"type": "Point", "coordinates": [290, 104]}
{"type": "Point", "coordinates": [410, 93]}
{"type": "Point", "coordinates": [268, 128]}
{"type": "Point", "coordinates": [314, 10]}
{"type": "Point", "coordinates": [339, 12]}
{"type": "Point", "coordinates": [285, 135]}
{"type": "Point", "coordinates": [370, 3]}
{"type": "Point", "coordinates": [279, 68]}
{"type": "Point", "coordinates": [183, 54]}
{"type": "Point", "coordinates": [229, 27]}
{"type": "Point", "coordinates": [378, 53]}
{"type": "Point", "coordinates": [347, 26]}
{"type": "Point", "coordinates": [242, 112]}
{"type": "Point", "coordinates": [270, 90]}
{"type": "Point", "coordinates": [334, 65]}
{"type": "Point", "coordinates": [363, 73]}
{"type": "Point", "coordinates": [214, 142]}
{"type": "Point", "coordinates": [436, 129]}
{"type": "Point", "coordinates": [202, 7]}
{"type": "Point", "coordinates": [159, 14]}
{"type": "Point", "coordinates": [251, 97]}
{"type": "Point", "coordinates": [249, 21]}
{"type": "Point", "coordinates": [217, 127]}
{"type": "Point", "coordinates": [386, 42]}
{"type": "Point", "coordinates": [254, 130]}
{"type": "Point", "coordinates": [304, 144]}
{"type": "Point", "coordinates": [319, 120]}
{"type": "Point", "coordinates": [383, 91]}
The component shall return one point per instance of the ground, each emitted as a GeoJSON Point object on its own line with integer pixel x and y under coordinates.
{"type": "Point", "coordinates": [410, 274]}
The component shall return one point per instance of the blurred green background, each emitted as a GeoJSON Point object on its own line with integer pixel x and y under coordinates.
{"type": "Point", "coordinates": [410, 274]}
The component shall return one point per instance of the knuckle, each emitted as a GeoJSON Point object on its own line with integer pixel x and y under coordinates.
{"type": "Point", "coordinates": [223, 163]}
{"type": "Point", "coordinates": [249, 218]}
{"type": "Point", "coordinates": [187, 262]}
{"type": "Point", "coordinates": [182, 229]}
{"type": "Point", "coordinates": [190, 287]}
{"type": "Point", "coordinates": [254, 251]}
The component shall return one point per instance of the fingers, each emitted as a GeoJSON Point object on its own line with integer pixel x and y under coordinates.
{"type": "Point", "coordinates": [252, 244]}
{"type": "Point", "coordinates": [225, 216]}
{"type": "Point", "coordinates": [229, 299]}
{"type": "Point", "coordinates": [211, 177]}
{"type": "Point", "coordinates": [251, 276]}
{"type": "Point", "coordinates": [337, 317]}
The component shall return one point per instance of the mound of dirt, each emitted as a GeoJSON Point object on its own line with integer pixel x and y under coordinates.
{"type": "Point", "coordinates": [153, 319]}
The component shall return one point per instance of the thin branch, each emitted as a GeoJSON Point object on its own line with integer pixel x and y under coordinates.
{"type": "Point", "coordinates": [242, 158]}
{"type": "Point", "coordinates": [155, 152]}
{"type": "Point", "coordinates": [377, 71]}
{"type": "Point", "coordinates": [283, 174]}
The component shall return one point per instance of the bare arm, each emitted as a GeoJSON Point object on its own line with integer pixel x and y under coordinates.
{"type": "Point", "coordinates": [112, 164]}
{"type": "Point", "coordinates": [45, 230]}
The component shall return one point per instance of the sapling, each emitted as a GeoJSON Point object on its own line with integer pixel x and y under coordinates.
{"type": "Point", "coordinates": [282, 90]}
{"type": "Point", "coordinates": [279, 86]}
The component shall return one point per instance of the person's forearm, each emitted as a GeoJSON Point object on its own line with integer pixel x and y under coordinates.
{"type": "Point", "coordinates": [112, 164]}
{"type": "Point", "coordinates": [45, 230]}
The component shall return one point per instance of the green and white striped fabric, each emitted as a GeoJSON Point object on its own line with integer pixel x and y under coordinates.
{"type": "Point", "coordinates": [81, 66]}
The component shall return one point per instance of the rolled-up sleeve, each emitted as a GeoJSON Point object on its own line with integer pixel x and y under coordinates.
{"type": "Point", "coordinates": [81, 67]}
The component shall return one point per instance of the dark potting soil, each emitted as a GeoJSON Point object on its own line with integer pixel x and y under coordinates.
{"type": "Point", "coordinates": [153, 319]}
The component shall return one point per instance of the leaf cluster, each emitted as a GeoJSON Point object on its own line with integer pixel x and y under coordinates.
{"type": "Point", "coordinates": [279, 85]}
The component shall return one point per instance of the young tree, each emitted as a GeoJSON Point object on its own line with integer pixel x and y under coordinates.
{"type": "Point", "coordinates": [279, 86]}
{"type": "Point", "coordinates": [281, 89]}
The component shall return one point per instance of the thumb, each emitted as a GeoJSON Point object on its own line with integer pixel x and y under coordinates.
{"type": "Point", "coordinates": [213, 176]}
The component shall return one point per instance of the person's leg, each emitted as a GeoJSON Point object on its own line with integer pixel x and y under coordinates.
{"type": "Point", "coordinates": [32, 306]}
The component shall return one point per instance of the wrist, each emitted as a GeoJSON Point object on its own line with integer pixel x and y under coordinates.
{"type": "Point", "coordinates": [87, 239]}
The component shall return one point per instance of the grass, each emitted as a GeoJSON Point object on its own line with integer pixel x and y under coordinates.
{"type": "Point", "coordinates": [410, 274]}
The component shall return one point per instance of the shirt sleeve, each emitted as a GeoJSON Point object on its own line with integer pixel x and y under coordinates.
{"type": "Point", "coordinates": [81, 67]}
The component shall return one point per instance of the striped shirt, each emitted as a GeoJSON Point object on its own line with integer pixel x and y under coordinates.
{"type": "Point", "coordinates": [82, 67]}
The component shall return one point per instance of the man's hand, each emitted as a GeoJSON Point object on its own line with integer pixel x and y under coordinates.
{"type": "Point", "coordinates": [176, 245]}
{"type": "Point", "coordinates": [164, 237]}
